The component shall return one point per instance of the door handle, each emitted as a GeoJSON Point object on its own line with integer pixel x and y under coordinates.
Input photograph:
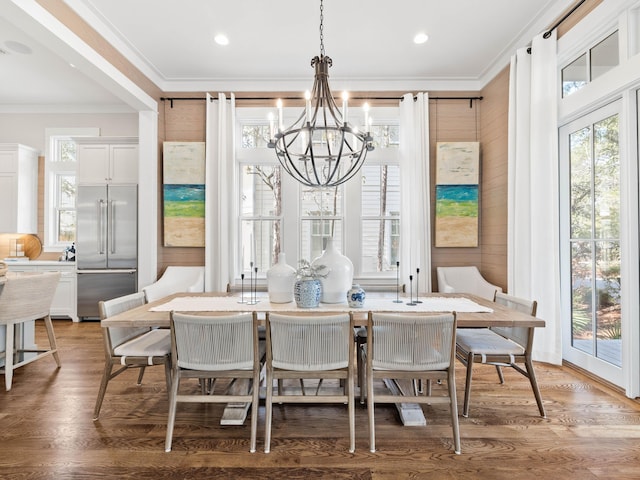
{"type": "Point", "coordinates": [112, 234]}
{"type": "Point", "coordinates": [101, 226]}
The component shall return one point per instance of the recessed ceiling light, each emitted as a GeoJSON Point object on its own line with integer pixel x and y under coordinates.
{"type": "Point", "coordinates": [18, 47]}
{"type": "Point", "coordinates": [420, 38]}
{"type": "Point", "coordinates": [221, 39]}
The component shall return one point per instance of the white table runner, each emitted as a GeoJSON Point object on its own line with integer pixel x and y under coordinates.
{"type": "Point", "coordinates": [232, 304]}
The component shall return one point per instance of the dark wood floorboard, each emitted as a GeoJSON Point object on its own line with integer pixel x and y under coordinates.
{"type": "Point", "coordinates": [47, 432]}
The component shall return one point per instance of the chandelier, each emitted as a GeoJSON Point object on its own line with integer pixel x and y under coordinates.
{"type": "Point", "coordinates": [321, 148]}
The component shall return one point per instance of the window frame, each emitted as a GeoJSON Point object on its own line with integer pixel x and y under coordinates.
{"type": "Point", "coordinates": [291, 211]}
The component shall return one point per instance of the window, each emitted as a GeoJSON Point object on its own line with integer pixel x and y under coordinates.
{"type": "Point", "coordinates": [362, 215]}
{"type": "Point", "coordinates": [598, 60]}
{"type": "Point", "coordinates": [60, 185]}
{"type": "Point", "coordinates": [62, 192]}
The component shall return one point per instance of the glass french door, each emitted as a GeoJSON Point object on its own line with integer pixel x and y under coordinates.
{"type": "Point", "coordinates": [592, 257]}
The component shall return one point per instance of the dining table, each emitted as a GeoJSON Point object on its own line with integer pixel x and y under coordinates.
{"type": "Point", "coordinates": [471, 311]}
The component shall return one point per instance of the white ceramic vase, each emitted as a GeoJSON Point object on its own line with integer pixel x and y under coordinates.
{"type": "Point", "coordinates": [280, 281]}
{"type": "Point", "coordinates": [335, 285]}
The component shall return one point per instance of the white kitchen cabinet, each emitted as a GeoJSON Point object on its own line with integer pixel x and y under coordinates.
{"type": "Point", "coordinates": [103, 160]}
{"type": "Point", "coordinates": [18, 188]}
{"type": "Point", "coordinates": [65, 299]}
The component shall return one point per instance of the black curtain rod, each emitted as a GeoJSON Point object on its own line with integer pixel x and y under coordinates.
{"type": "Point", "coordinates": [172, 99]}
{"type": "Point", "coordinates": [547, 34]}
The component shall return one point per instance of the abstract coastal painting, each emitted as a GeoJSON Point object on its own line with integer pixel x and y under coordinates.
{"type": "Point", "coordinates": [183, 193]}
{"type": "Point", "coordinates": [457, 189]}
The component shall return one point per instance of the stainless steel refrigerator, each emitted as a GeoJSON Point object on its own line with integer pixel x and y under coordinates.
{"type": "Point", "coordinates": [106, 244]}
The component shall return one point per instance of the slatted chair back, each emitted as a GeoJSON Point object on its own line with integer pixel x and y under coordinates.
{"type": "Point", "coordinates": [521, 335]}
{"type": "Point", "coordinates": [223, 342]}
{"type": "Point", "coordinates": [423, 342]}
{"type": "Point", "coordinates": [108, 308]}
{"type": "Point", "coordinates": [27, 297]}
{"type": "Point", "coordinates": [309, 343]}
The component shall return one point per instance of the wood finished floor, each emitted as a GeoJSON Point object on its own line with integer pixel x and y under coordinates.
{"type": "Point", "coordinates": [47, 432]}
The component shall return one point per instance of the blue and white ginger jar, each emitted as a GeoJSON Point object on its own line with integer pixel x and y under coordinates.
{"type": "Point", "coordinates": [355, 296]}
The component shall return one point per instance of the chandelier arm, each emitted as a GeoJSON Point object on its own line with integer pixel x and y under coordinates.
{"type": "Point", "coordinates": [336, 167]}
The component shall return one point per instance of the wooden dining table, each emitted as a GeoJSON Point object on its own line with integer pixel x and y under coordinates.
{"type": "Point", "coordinates": [479, 312]}
{"type": "Point", "coordinates": [471, 311]}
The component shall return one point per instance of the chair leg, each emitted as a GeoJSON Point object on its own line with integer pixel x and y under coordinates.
{"type": "Point", "coordinates": [534, 386]}
{"type": "Point", "coordinates": [362, 381]}
{"type": "Point", "coordinates": [106, 375]}
{"type": "Point", "coordinates": [454, 410]}
{"type": "Point", "coordinates": [500, 375]}
{"type": "Point", "coordinates": [467, 386]}
{"type": "Point", "coordinates": [140, 375]}
{"type": "Point", "coordinates": [268, 408]}
{"type": "Point", "coordinates": [254, 411]}
{"type": "Point", "coordinates": [52, 339]}
{"type": "Point", "coordinates": [167, 374]}
{"type": "Point", "coordinates": [370, 411]}
{"type": "Point", "coordinates": [173, 405]}
{"type": "Point", "coordinates": [8, 356]}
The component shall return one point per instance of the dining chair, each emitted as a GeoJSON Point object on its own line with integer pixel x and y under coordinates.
{"type": "Point", "coordinates": [415, 347]}
{"type": "Point", "coordinates": [500, 346]}
{"type": "Point", "coordinates": [466, 279]}
{"type": "Point", "coordinates": [24, 298]}
{"type": "Point", "coordinates": [176, 278]}
{"type": "Point", "coordinates": [314, 346]}
{"type": "Point", "coordinates": [212, 347]}
{"type": "Point", "coordinates": [130, 347]}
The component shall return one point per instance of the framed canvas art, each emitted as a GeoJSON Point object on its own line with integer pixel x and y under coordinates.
{"type": "Point", "coordinates": [457, 194]}
{"type": "Point", "coordinates": [183, 193]}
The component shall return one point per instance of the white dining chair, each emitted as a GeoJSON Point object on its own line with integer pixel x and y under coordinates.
{"type": "Point", "coordinates": [176, 278]}
{"type": "Point", "coordinates": [130, 347]}
{"type": "Point", "coordinates": [500, 346]}
{"type": "Point", "coordinates": [412, 347]}
{"type": "Point", "coordinates": [213, 347]}
{"type": "Point", "coordinates": [23, 298]}
{"type": "Point", "coordinates": [467, 279]}
{"type": "Point", "coordinates": [313, 346]}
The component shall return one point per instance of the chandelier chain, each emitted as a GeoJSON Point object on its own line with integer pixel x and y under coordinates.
{"type": "Point", "coordinates": [321, 29]}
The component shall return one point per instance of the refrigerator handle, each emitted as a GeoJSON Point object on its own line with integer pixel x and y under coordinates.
{"type": "Point", "coordinates": [101, 226]}
{"type": "Point", "coordinates": [112, 235]}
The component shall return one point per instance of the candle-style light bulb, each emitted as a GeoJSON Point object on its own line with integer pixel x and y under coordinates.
{"type": "Point", "coordinates": [365, 109]}
{"type": "Point", "coordinates": [307, 105]}
{"type": "Point", "coordinates": [345, 107]}
{"type": "Point", "coordinates": [280, 119]}
{"type": "Point", "coordinates": [272, 126]}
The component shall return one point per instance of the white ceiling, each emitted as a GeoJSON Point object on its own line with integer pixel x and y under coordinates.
{"type": "Point", "coordinates": [271, 45]}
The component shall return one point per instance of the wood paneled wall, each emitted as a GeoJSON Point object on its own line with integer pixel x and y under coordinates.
{"type": "Point", "coordinates": [453, 121]}
{"type": "Point", "coordinates": [185, 121]}
{"type": "Point", "coordinates": [494, 118]}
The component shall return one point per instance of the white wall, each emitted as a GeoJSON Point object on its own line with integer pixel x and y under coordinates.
{"type": "Point", "coordinates": [29, 128]}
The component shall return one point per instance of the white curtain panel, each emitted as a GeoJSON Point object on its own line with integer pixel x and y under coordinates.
{"type": "Point", "coordinates": [533, 198]}
{"type": "Point", "coordinates": [415, 193]}
{"type": "Point", "coordinates": [218, 191]}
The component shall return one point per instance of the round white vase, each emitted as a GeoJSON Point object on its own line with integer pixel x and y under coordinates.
{"type": "Point", "coordinates": [338, 282]}
{"type": "Point", "coordinates": [280, 281]}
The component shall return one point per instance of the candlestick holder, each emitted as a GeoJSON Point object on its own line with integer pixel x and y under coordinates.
{"type": "Point", "coordinates": [252, 299]}
{"type": "Point", "coordinates": [241, 289]}
{"type": "Point", "coordinates": [417, 285]}
{"type": "Point", "coordinates": [397, 300]}
{"type": "Point", "coordinates": [411, 302]}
